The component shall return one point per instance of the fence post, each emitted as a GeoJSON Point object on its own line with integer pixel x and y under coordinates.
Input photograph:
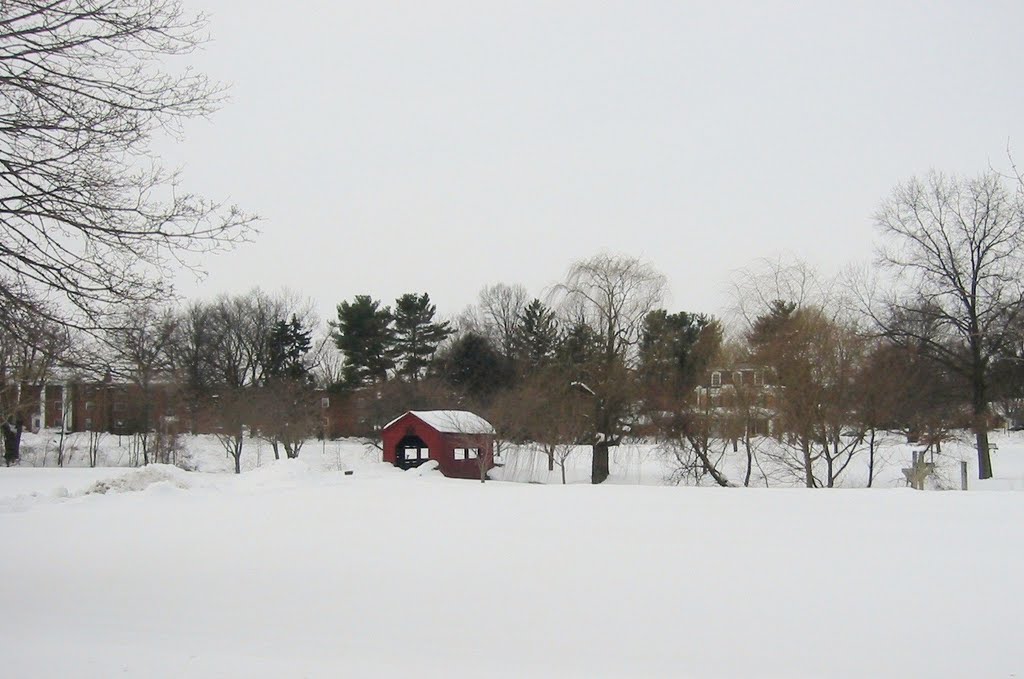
{"type": "Point", "coordinates": [963, 475]}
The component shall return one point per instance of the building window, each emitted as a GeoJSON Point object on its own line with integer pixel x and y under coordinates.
{"type": "Point", "coordinates": [88, 424]}
{"type": "Point", "coordinates": [758, 378]}
{"type": "Point", "coordinates": [737, 378]}
{"type": "Point", "coordinates": [325, 402]}
{"type": "Point", "coordinates": [88, 405]}
{"type": "Point", "coordinates": [716, 379]}
{"type": "Point", "coordinates": [467, 453]}
{"type": "Point", "coordinates": [118, 406]}
{"type": "Point", "coordinates": [416, 453]}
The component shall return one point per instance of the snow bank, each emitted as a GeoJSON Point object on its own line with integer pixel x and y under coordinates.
{"type": "Point", "coordinates": [428, 468]}
{"type": "Point", "coordinates": [141, 479]}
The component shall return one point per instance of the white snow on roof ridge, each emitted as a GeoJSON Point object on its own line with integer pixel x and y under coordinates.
{"type": "Point", "coordinates": [451, 421]}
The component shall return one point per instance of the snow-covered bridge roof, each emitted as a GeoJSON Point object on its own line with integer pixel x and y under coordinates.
{"type": "Point", "coordinates": [450, 421]}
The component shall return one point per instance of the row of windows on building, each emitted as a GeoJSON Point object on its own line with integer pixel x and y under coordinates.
{"type": "Point", "coordinates": [756, 377]}
{"type": "Point", "coordinates": [424, 453]}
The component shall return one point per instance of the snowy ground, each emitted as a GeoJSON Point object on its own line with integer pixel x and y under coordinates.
{"type": "Point", "coordinates": [294, 569]}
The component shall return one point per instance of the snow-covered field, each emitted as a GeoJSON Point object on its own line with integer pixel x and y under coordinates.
{"type": "Point", "coordinates": [295, 569]}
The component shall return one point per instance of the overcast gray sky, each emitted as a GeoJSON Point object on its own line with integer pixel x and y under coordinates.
{"type": "Point", "coordinates": [440, 146]}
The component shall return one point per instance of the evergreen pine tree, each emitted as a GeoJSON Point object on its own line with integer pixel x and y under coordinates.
{"type": "Point", "coordinates": [288, 344]}
{"type": "Point", "coordinates": [667, 346]}
{"type": "Point", "coordinates": [578, 348]}
{"type": "Point", "coordinates": [473, 364]}
{"type": "Point", "coordinates": [416, 334]}
{"type": "Point", "coordinates": [364, 335]}
{"type": "Point", "coordinates": [537, 336]}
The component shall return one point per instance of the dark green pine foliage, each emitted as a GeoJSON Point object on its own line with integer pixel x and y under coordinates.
{"type": "Point", "coordinates": [363, 334]}
{"type": "Point", "coordinates": [777, 322]}
{"type": "Point", "coordinates": [416, 335]}
{"type": "Point", "coordinates": [667, 346]}
{"type": "Point", "coordinates": [537, 336]}
{"type": "Point", "coordinates": [578, 348]}
{"type": "Point", "coordinates": [288, 344]}
{"type": "Point", "coordinates": [474, 365]}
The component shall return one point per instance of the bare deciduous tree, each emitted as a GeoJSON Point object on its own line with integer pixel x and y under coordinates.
{"type": "Point", "coordinates": [140, 344]}
{"type": "Point", "coordinates": [236, 408]}
{"type": "Point", "coordinates": [612, 295]}
{"type": "Point", "coordinates": [88, 215]}
{"type": "Point", "coordinates": [757, 286]}
{"type": "Point", "coordinates": [955, 247]}
{"type": "Point", "coordinates": [543, 410]}
{"type": "Point", "coordinates": [289, 414]}
{"type": "Point", "coordinates": [28, 358]}
{"type": "Point", "coordinates": [501, 307]}
{"type": "Point", "coordinates": [689, 442]}
{"type": "Point", "coordinates": [193, 357]}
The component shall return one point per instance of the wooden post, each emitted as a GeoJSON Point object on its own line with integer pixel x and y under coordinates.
{"type": "Point", "coordinates": [963, 475]}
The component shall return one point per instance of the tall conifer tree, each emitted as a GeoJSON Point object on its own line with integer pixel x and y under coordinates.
{"type": "Point", "coordinates": [363, 333]}
{"type": "Point", "coordinates": [537, 336]}
{"type": "Point", "coordinates": [416, 334]}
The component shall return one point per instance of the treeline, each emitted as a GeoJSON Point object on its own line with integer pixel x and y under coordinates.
{"type": "Point", "coordinates": [927, 342]}
{"type": "Point", "coordinates": [236, 364]}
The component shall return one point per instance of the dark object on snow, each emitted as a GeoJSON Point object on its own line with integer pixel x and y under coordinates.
{"type": "Point", "coordinates": [12, 440]}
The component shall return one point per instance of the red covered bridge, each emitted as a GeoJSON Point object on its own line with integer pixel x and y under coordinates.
{"type": "Point", "coordinates": [461, 442]}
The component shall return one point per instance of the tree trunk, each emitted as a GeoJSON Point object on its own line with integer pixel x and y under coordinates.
{"type": "Point", "coordinates": [700, 447]}
{"type": "Point", "coordinates": [550, 450]}
{"type": "Point", "coordinates": [979, 401]}
{"type": "Point", "coordinates": [831, 457]}
{"type": "Point", "coordinates": [871, 458]}
{"type": "Point", "coordinates": [984, 458]}
{"type": "Point", "coordinates": [599, 467]}
{"type": "Point", "coordinates": [60, 447]}
{"type": "Point", "coordinates": [805, 446]}
{"type": "Point", "coordinates": [713, 470]}
{"type": "Point", "coordinates": [94, 448]}
{"type": "Point", "coordinates": [18, 428]}
{"type": "Point", "coordinates": [750, 457]}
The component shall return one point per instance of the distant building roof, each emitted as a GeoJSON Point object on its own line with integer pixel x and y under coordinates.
{"type": "Point", "coordinates": [450, 421]}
